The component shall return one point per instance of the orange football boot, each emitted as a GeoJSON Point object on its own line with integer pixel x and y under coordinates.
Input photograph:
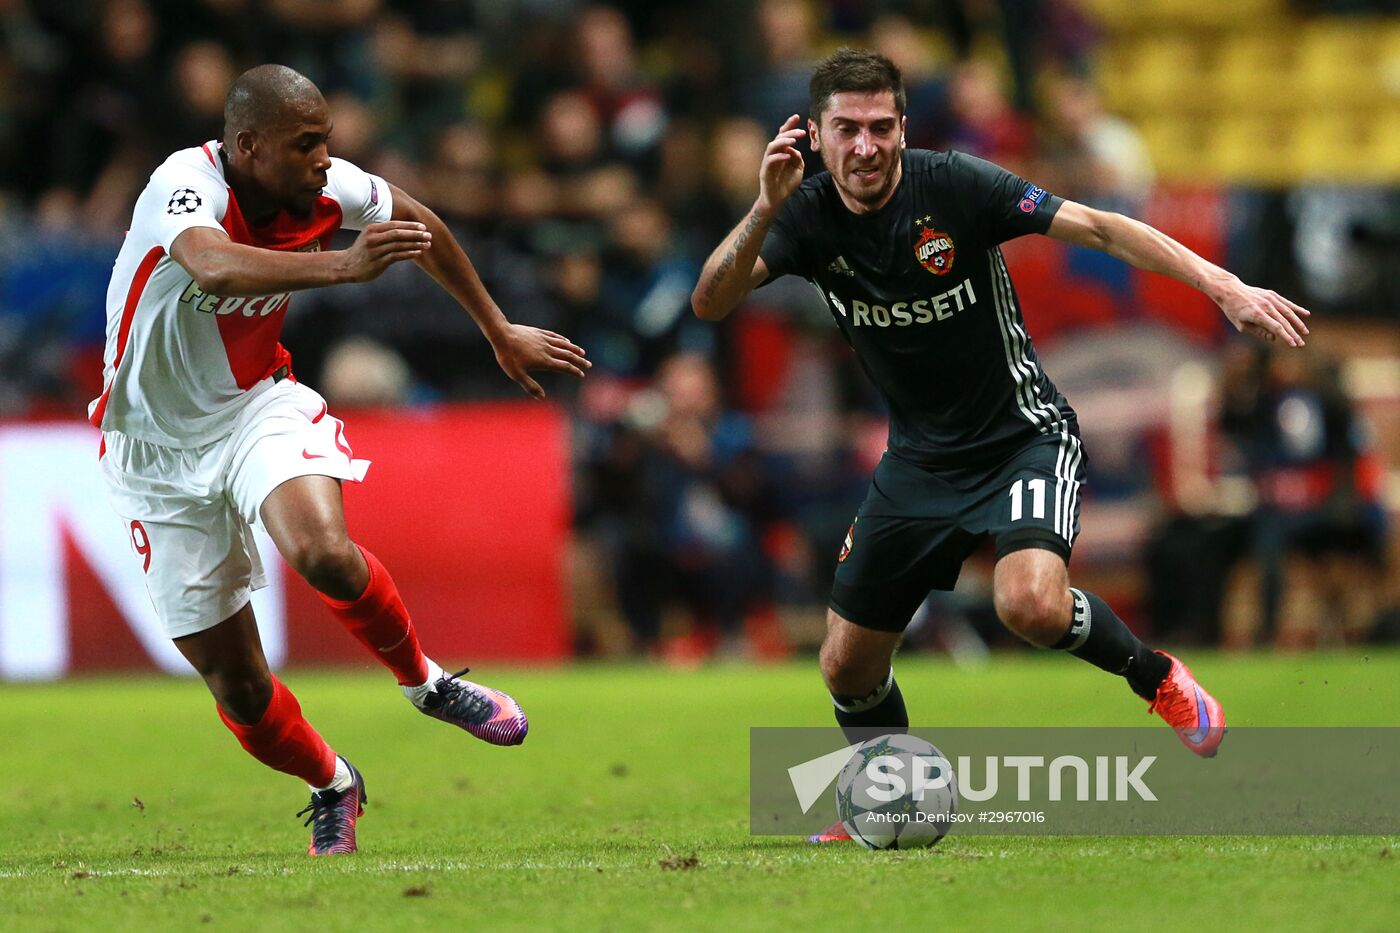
{"type": "Point", "coordinates": [836, 832]}
{"type": "Point", "coordinates": [1186, 706]}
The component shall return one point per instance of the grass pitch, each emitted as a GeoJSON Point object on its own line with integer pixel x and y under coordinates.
{"type": "Point", "coordinates": [128, 807]}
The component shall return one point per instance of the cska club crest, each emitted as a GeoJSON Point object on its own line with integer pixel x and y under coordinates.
{"type": "Point", "coordinates": [934, 250]}
{"type": "Point", "coordinates": [848, 543]}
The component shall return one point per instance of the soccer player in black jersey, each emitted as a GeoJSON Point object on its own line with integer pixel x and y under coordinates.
{"type": "Point", "coordinates": [903, 246]}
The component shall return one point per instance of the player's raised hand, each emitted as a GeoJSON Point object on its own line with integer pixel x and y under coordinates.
{"type": "Point", "coordinates": [1265, 314]}
{"type": "Point", "coordinates": [381, 245]}
{"type": "Point", "coordinates": [781, 171]}
{"type": "Point", "coordinates": [523, 350]}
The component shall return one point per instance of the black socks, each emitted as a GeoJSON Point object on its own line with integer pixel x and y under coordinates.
{"type": "Point", "coordinates": [882, 708]}
{"type": "Point", "coordinates": [1095, 634]}
{"type": "Point", "coordinates": [1098, 636]}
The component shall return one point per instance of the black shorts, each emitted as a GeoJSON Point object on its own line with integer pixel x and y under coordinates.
{"type": "Point", "coordinates": [914, 529]}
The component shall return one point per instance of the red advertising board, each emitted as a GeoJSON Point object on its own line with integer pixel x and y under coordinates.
{"type": "Point", "coordinates": [467, 506]}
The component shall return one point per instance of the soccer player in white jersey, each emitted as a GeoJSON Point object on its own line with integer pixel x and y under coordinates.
{"type": "Point", "coordinates": [205, 430]}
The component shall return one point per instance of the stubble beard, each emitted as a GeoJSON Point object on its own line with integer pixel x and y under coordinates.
{"type": "Point", "coordinates": [873, 197]}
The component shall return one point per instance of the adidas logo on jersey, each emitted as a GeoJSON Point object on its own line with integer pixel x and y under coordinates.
{"type": "Point", "coordinates": [839, 267]}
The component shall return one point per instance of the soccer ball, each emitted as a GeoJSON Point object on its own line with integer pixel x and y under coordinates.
{"type": "Point", "coordinates": [897, 792]}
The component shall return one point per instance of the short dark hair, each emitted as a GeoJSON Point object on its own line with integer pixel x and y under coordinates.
{"type": "Point", "coordinates": [261, 96]}
{"type": "Point", "coordinates": [849, 69]}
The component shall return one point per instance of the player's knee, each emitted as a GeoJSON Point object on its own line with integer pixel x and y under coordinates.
{"type": "Point", "coordinates": [1037, 611]}
{"type": "Point", "coordinates": [849, 676]}
{"type": "Point", "coordinates": [243, 695]}
{"type": "Point", "coordinates": [330, 563]}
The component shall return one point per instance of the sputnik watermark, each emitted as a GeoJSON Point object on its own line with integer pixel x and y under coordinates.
{"type": "Point", "coordinates": [1102, 778]}
{"type": "Point", "coordinates": [1080, 781]}
{"type": "Point", "coordinates": [1114, 779]}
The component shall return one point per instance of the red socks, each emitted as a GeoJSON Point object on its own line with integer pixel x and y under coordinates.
{"type": "Point", "coordinates": [284, 741]}
{"type": "Point", "coordinates": [380, 622]}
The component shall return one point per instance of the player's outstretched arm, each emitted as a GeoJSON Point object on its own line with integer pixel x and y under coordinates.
{"type": "Point", "coordinates": [734, 269]}
{"type": "Point", "coordinates": [234, 270]}
{"type": "Point", "coordinates": [520, 350]}
{"type": "Point", "coordinates": [1251, 310]}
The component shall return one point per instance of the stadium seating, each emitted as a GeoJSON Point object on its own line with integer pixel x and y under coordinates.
{"type": "Point", "coordinates": [1251, 92]}
{"type": "Point", "coordinates": [1256, 71]}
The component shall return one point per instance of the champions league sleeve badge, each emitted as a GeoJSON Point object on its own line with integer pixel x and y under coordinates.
{"type": "Point", "coordinates": [1031, 198]}
{"type": "Point", "coordinates": [184, 201]}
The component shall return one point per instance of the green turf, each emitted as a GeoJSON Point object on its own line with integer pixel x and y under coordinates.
{"type": "Point", "coordinates": [626, 767]}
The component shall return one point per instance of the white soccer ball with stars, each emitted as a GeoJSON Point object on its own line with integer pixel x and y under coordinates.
{"type": "Point", "coordinates": [897, 792]}
{"type": "Point", "coordinates": [184, 201]}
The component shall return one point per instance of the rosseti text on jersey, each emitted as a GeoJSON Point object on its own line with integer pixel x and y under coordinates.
{"type": "Point", "coordinates": [940, 307]}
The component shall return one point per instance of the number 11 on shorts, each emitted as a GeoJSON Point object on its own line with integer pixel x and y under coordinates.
{"type": "Point", "coordinates": [1037, 488]}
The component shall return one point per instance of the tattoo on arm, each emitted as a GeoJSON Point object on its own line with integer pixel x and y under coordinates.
{"type": "Point", "coordinates": [727, 263]}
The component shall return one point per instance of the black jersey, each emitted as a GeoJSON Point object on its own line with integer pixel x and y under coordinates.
{"type": "Point", "coordinates": [922, 293]}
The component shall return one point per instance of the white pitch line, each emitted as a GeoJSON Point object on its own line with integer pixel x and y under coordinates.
{"type": "Point", "coordinates": [1221, 846]}
{"type": "Point", "coordinates": [84, 873]}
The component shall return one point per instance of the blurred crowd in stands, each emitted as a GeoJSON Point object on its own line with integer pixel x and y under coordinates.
{"type": "Point", "coordinates": [588, 157]}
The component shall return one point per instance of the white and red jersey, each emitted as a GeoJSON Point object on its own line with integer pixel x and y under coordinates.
{"type": "Point", "coordinates": [181, 363]}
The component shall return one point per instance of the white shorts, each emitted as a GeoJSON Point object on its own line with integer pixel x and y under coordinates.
{"type": "Point", "coordinates": [189, 512]}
